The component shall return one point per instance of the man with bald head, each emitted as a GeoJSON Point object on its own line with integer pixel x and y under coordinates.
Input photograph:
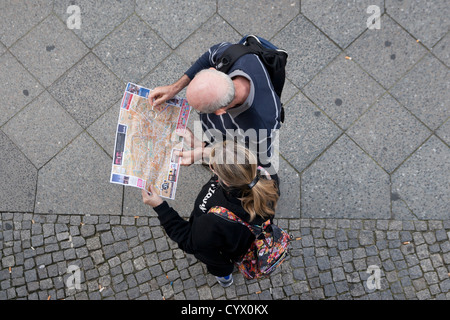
{"type": "Point", "coordinates": [240, 105]}
{"type": "Point", "coordinates": [211, 91]}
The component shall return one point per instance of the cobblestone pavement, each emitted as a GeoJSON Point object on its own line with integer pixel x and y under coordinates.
{"type": "Point", "coordinates": [364, 152]}
{"type": "Point", "coordinates": [131, 258]}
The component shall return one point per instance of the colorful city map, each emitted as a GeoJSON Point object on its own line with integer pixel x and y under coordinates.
{"type": "Point", "coordinates": [146, 139]}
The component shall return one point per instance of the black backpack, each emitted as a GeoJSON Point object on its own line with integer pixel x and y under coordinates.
{"type": "Point", "coordinates": [274, 60]}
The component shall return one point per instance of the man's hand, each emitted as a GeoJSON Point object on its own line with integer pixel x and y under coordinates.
{"type": "Point", "coordinates": [161, 94]}
{"type": "Point", "coordinates": [152, 199]}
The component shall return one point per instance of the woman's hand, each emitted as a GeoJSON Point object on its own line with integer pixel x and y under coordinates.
{"type": "Point", "coordinates": [197, 153]}
{"type": "Point", "coordinates": [189, 157]}
{"type": "Point", "coordinates": [190, 140]}
{"type": "Point", "coordinates": [152, 199]}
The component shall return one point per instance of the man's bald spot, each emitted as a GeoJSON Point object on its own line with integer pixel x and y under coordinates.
{"type": "Point", "coordinates": [210, 89]}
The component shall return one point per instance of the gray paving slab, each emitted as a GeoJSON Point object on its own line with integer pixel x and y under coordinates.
{"type": "Point", "coordinates": [426, 21]}
{"type": "Point", "coordinates": [87, 90]}
{"type": "Point", "coordinates": [400, 209]}
{"type": "Point", "coordinates": [289, 91]}
{"type": "Point", "coordinates": [48, 50]}
{"type": "Point", "coordinates": [387, 53]}
{"type": "Point", "coordinates": [388, 133]}
{"type": "Point", "coordinates": [2, 48]}
{"type": "Point", "coordinates": [167, 72]}
{"type": "Point", "coordinates": [42, 129]}
{"type": "Point", "coordinates": [18, 17]}
{"type": "Point", "coordinates": [289, 202]}
{"type": "Point", "coordinates": [309, 50]}
{"type": "Point", "coordinates": [345, 183]}
{"type": "Point", "coordinates": [266, 18]}
{"type": "Point", "coordinates": [422, 180]}
{"type": "Point", "coordinates": [213, 31]}
{"type": "Point", "coordinates": [301, 144]}
{"type": "Point", "coordinates": [98, 18]}
{"type": "Point", "coordinates": [342, 21]}
{"type": "Point", "coordinates": [132, 57]}
{"type": "Point", "coordinates": [19, 86]}
{"type": "Point", "coordinates": [175, 20]}
{"type": "Point", "coordinates": [76, 181]}
{"type": "Point", "coordinates": [104, 129]}
{"type": "Point", "coordinates": [444, 132]}
{"type": "Point", "coordinates": [425, 91]}
{"type": "Point", "coordinates": [18, 183]}
{"type": "Point", "coordinates": [441, 50]}
{"type": "Point", "coordinates": [343, 91]}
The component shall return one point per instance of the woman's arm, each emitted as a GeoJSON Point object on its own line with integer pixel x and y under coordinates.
{"type": "Point", "coordinates": [178, 229]}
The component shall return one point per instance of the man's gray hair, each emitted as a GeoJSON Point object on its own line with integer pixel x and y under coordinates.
{"type": "Point", "coordinates": [224, 99]}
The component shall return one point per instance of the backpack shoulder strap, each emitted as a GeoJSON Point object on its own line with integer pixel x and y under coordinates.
{"type": "Point", "coordinates": [231, 55]}
{"type": "Point", "coordinates": [228, 215]}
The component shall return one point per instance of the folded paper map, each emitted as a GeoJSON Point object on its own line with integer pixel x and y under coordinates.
{"type": "Point", "coordinates": [146, 139]}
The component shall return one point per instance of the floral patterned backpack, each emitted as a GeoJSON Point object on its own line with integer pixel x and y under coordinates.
{"type": "Point", "coordinates": [266, 253]}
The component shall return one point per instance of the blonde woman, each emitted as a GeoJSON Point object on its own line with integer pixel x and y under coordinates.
{"type": "Point", "coordinates": [238, 185]}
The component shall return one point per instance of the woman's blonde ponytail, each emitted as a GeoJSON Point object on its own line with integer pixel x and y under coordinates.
{"type": "Point", "coordinates": [261, 197]}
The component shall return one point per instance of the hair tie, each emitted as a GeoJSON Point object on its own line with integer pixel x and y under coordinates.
{"type": "Point", "coordinates": [254, 182]}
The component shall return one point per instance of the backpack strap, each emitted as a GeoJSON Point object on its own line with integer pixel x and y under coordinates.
{"type": "Point", "coordinates": [226, 214]}
{"type": "Point", "coordinates": [231, 55]}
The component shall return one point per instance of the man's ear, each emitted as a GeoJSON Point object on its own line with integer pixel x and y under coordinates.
{"type": "Point", "coordinates": [220, 111]}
